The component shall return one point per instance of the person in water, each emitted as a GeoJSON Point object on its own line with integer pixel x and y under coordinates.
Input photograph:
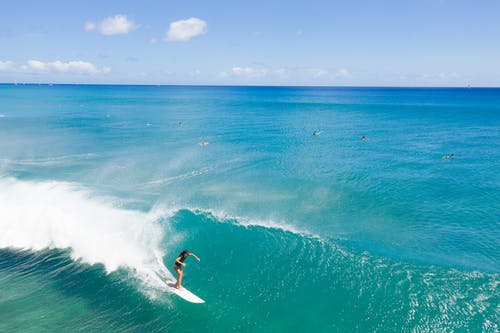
{"type": "Point", "coordinates": [446, 157]}
{"type": "Point", "coordinates": [179, 262]}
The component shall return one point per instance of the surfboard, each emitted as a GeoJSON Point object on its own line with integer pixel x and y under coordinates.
{"type": "Point", "coordinates": [184, 293]}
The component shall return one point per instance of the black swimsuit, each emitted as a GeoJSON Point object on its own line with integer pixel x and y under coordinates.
{"type": "Point", "coordinates": [183, 257]}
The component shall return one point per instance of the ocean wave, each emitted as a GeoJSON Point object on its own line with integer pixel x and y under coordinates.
{"type": "Point", "coordinates": [58, 215]}
{"type": "Point", "coordinates": [226, 217]}
{"type": "Point", "coordinates": [252, 263]}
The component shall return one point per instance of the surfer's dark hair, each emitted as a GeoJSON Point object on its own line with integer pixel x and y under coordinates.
{"type": "Point", "coordinates": [185, 251]}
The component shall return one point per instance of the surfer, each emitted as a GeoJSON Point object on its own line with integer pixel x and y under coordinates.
{"type": "Point", "coordinates": [364, 138]}
{"type": "Point", "coordinates": [179, 262]}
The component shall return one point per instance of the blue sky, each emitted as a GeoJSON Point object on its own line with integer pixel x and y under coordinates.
{"type": "Point", "coordinates": [278, 42]}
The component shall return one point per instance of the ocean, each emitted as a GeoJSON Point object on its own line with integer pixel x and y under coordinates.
{"type": "Point", "coordinates": [312, 209]}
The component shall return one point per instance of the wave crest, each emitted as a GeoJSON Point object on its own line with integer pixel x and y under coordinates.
{"type": "Point", "coordinates": [51, 214]}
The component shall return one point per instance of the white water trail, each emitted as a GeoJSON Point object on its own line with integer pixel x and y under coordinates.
{"type": "Point", "coordinates": [48, 215]}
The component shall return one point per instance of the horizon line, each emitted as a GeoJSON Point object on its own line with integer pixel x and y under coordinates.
{"type": "Point", "coordinates": [244, 85]}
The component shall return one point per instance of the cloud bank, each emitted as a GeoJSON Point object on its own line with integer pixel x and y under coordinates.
{"type": "Point", "coordinates": [284, 73]}
{"type": "Point", "coordinates": [248, 72]}
{"type": "Point", "coordinates": [113, 25]}
{"type": "Point", "coordinates": [71, 67]}
{"type": "Point", "coordinates": [184, 30]}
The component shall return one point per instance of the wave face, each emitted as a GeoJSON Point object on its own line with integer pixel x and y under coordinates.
{"type": "Point", "coordinates": [321, 286]}
{"type": "Point", "coordinates": [102, 186]}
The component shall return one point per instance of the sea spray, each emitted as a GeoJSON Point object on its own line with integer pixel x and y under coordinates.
{"type": "Point", "coordinates": [50, 214]}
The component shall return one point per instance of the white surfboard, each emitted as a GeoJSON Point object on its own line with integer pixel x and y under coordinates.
{"type": "Point", "coordinates": [184, 293]}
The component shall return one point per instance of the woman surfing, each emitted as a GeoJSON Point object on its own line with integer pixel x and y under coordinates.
{"type": "Point", "coordinates": [179, 262]}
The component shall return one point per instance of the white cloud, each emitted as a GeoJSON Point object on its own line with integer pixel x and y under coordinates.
{"type": "Point", "coordinates": [248, 72]}
{"type": "Point", "coordinates": [343, 73]}
{"type": "Point", "coordinates": [117, 25]}
{"type": "Point", "coordinates": [6, 65]}
{"type": "Point", "coordinates": [113, 25]}
{"type": "Point", "coordinates": [183, 30]}
{"type": "Point", "coordinates": [37, 65]}
{"type": "Point", "coordinates": [70, 67]}
{"type": "Point", "coordinates": [317, 72]}
{"type": "Point", "coordinates": [281, 73]}
{"type": "Point", "coordinates": [445, 76]}
{"type": "Point", "coordinates": [438, 77]}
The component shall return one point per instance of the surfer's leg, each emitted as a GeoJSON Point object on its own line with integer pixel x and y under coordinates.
{"type": "Point", "coordinates": [179, 277]}
{"type": "Point", "coordinates": [179, 280]}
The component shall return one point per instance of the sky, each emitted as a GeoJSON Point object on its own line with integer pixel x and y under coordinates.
{"type": "Point", "coordinates": [258, 42]}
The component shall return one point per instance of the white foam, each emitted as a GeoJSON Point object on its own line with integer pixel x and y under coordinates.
{"type": "Point", "coordinates": [41, 215]}
{"type": "Point", "coordinates": [269, 223]}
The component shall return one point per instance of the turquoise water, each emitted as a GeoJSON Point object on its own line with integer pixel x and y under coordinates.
{"type": "Point", "coordinates": [102, 186]}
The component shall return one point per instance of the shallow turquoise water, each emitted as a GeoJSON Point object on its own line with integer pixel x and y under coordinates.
{"type": "Point", "coordinates": [102, 186]}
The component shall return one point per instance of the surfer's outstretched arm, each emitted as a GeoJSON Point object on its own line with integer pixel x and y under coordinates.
{"type": "Point", "coordinates": [194, 256]}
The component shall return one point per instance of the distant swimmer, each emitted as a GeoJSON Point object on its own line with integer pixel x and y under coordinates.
{"type": "Point", "coordinates": [203, 143]}
{"type": "Point", "coordinates": [180, 123]}
{"type": "Point", "coordinates": [179, 262]}
{"type": "Point", "coordinates": [364, 138]}
{"type": "Point", "coordinates": [316, 133]}
{"type": "Point", "coordinates": [447, 157]}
